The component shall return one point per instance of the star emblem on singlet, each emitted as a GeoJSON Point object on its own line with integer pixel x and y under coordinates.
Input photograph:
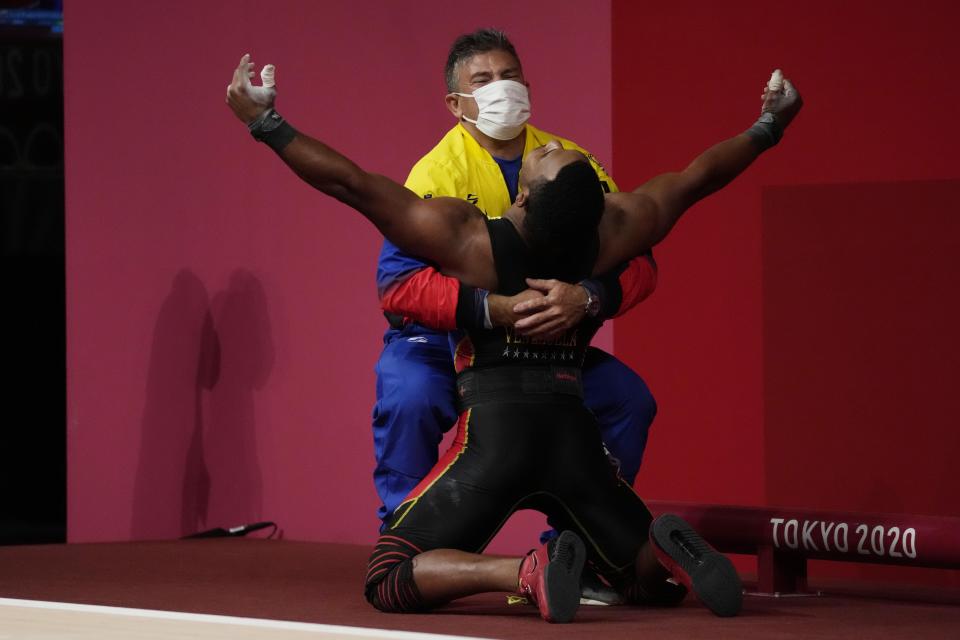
{"type": "Point", "coordinates": [516, 353]}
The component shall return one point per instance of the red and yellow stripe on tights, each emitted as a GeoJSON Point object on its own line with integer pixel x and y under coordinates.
{"type": "Point", "coordinates": [443, 465]}
{"type": "Point", "coordinates": [464, 355]}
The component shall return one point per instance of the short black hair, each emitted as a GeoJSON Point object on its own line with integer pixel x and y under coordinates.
{"type": "Point", "coordinates": [469, 45]}
{"type": "Point", "coordinates": [561, 222]}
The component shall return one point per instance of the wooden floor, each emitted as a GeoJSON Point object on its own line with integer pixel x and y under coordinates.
{"type": "Point", "coordinates": [282, 589]}
{"type": "Point", "coordinates": [37, 620]}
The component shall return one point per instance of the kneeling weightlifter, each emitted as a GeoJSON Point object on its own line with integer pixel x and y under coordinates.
{"type": "Point", "coordinates": [524, 437]}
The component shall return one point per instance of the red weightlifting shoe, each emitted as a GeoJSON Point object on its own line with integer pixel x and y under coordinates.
{"type": "Point", "coordinates": [550, 577]}
{"type": "Point", "coordinates": [697, 565]}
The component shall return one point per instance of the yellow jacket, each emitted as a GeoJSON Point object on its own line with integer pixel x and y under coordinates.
{"type": "Point", "coordinates": [459, 167]}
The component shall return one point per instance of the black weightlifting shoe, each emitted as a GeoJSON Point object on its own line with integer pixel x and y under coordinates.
{"type": "Point", "coordinates": [697, 565]}
{"type": "Point", "coordinates": [550, 576]}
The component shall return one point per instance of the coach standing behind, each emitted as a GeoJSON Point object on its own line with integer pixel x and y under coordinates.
{"type": "Point", "coordinates": [479, 160]}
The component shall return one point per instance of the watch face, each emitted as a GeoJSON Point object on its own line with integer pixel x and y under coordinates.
{"type": "Point", "coordinates": [593, 305]}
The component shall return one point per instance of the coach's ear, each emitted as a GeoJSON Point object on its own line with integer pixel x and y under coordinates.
{"type": "Point", "coordinates": [522, 197]}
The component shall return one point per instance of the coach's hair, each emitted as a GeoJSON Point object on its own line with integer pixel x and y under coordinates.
{"type": "Point", "coordinates": [562, 216]}
{"type": "Point", "coordinates": [469, 45]}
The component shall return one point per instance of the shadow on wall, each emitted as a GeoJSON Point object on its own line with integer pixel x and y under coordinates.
{"type": "Point", "coordinates": [198, 465]}
{"type": "Point", "coordinates": [230, 443]}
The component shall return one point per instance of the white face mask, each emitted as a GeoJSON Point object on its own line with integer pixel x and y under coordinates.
{"type": "Point", "coordinates": [504, 108]}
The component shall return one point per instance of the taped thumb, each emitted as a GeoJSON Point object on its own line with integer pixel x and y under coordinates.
{"type": "Point", "coordinates": [267, 75]}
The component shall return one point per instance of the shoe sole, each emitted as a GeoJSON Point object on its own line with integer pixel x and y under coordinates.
{"type": "Point", "coordinates": [711, 577]}
{"type": "Point", "coordinates": [562, 577]}
{"type": "Point", "coordinates": [594, 602]}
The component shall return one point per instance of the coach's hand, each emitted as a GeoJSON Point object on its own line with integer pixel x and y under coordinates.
{"type": "Point", "coordinates": [247, 101]}
{"type": "Point", "coordinates": [560, 308]}
{"type": "Point", "coordinates": [501, 308]}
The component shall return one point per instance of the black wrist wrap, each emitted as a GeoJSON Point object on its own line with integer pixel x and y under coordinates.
{"type": "Point", "coordinates": [470, 313]}
{"type": "Point", "coordinates": [607, 288]}
{"type": "Point", "coordinates": [271, 129]}
{"type": "Point", "coordinates": [766, 131]}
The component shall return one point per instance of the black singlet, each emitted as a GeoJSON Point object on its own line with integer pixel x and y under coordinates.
{"type": "Point", "coordinates": [498, 347]}
{"type": "Point", "coordinates": [524, 440]}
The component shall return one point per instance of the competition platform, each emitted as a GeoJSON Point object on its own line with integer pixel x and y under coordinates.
{"type": "Point", "coordinates": [256, 588]}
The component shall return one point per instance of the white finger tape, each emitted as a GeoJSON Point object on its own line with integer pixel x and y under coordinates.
{"type": "Point", "coordinates": [776, 80]}
{"type": "Point", "coordinates": [267, 76]}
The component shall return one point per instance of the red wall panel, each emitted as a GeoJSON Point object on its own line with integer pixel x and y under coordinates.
{"type": "Point", "coordinates": [861, 351]}
{"type": "Point", "coordinates": [687, 74]}
{"type": "Point", "coordinates": [860, 346]}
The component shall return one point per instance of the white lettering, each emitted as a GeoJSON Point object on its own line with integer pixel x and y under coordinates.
{"type": "Point", "coordinates": [795, 526]}
{"type": "Point", "coordinates": [895, 532]}
{"type": "Point", "coordinates": [776, 522]}
{"type": "Point", "coordinates": [825, 533]}
{"type": "Point", "coordinates": [876, 540]}
{"type": "Point", "coordinates": [910, 548]}
{"type": "Point", "coordinates": [862, 529]}
{"type": "Point", "coordinates": [841, 542]}
{"type": "Point", "coordinates": [808, 527]}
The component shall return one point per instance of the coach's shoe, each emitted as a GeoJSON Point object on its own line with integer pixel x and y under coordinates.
{"type": "Point", "coordinates": [594, 590]}
{"type": "Point", "coordinates": [697, 565]}
{"type": "Point", "coordinates": [550, 576]}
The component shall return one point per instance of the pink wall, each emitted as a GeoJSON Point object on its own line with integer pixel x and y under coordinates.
{"type": "Point", "coordinates": [222, 322]}
{"type": "Point", "coordinates": [222, 328]}
{"type": "Point", "coordinates": [835, 394]}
